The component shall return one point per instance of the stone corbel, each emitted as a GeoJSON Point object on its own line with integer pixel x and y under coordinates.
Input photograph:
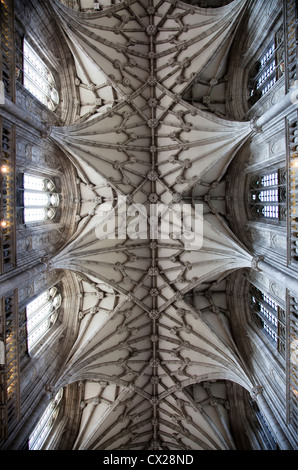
{"type": "Point", "coordinates": [50, 390]}
{"type": "Point", "coordinates": [255, 261]}
{"type": "Point", "coordinates": [255, 391]}
{"type": "Point", "coordinates": [254, 127]}
{"type": "Point", "coordinates": [46, 132]}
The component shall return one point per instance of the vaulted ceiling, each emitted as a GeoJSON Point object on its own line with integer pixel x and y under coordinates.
{"type": "Point", "coordinates": [153, 312]}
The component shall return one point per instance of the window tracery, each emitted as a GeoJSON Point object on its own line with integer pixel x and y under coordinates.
{"type": "Point", "coordinates": [38, 78]}
{"type": "Point", "coordinates": [45, 424]}
{"type": "Point", "coordinates": [268, 69]}
{"type": "Point", "coordinates": [267, 195]}
{"type": "Point", "coordinates": [40, 199]}
{"type": "Point", "coordinates": [41, 314]}
{"type": "Point", "coordinates": [270, 317]}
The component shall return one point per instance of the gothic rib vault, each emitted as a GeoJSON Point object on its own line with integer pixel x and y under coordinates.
{"type": "Point", "coordinates": [143, 342]}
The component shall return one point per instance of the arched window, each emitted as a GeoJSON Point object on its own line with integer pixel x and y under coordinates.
{"type": "Point", "coordinates": [38, 78]}
{"type": "Point", "coordinates": [267, 195]}
{"type": "Point", "coordinates": [268, 69]}
{"type": "Point", "coordinates": [270, 317]}
{"type": "Point", "coordinates": [41, 314]}
{"type": "Point", "coordinates": [40, 199]}
{"type": "Point", "coordinates": [45, 424]}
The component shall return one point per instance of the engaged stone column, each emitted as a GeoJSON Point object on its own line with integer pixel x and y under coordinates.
{"type": "Point", "coordinates": [24, 116]}
{"type": "Point", "coordinates": [25, 276]}
{"type": "Point", "coordinates": [288, 101]}
{"type": "Point", "coordinates": [287, 280]}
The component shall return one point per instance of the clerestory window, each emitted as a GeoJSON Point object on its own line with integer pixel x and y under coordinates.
{"type": "Point", "coordinates": [267, 196]}
{"type": "Point", "coordinates": [41, 199]}
{"type": "Point", "coordinates": [270, 317]}
{"type": "Point", "coordinates": [268, 69]}
{"type": "Point", "coordinates": [38, 79]}
{"type": "Point", "coordinates": [45, 424]}
{"type": "Point", "coordinates": [41, 314]}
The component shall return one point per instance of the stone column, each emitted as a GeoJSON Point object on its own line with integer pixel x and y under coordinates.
{"type": "Point", "coordinates": [21, 278]}
{"type": "Point", "coordinates": [24, 116]}
{"type": "Point", "coordinates": [287, 279]}
{"type": "Point", "coordinates": [26, 426]}
{"type": "Point", "coordinates": [286, 103]}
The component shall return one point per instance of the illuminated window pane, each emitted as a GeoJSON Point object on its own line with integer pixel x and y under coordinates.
{"type": "Point", "coordinates": [40, 202]}
{"type": "Point", "coordinates": [45, 424]}
{"type": "Point", "coordinates": [268, 195]}
{"type": "Point", "coordinates": [33, 182]}
{"type": "Point", "coordinates": [38, 78]}
{"type": "Point", "coordinates": [270, 212]}
{"type": "Point", "coordinates": [270, 317]}
{"type": "Point", "coordinates": [36, 199]}
{"type": "Point", "coordinates": [34, 215]}
{"type": "Point", "coordinates": [41, 314]}
{"type": "Point", "coordinates": [268, 68]}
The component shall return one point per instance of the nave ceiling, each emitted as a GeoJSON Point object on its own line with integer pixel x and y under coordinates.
{"type": "Point", "coordinates": [154, 314]}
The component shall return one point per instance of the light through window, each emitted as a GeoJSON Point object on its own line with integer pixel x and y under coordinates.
{"type": "Point", "coordinates": [268, 69]}
{"type": "Point", "coordinates": [40, 199]}
{"type": "Point", "coordinates": [270, 317]}
{"type": "Point", "coordinates": [38, 79]}
{"type": "Point", "coordinates": [45, 424]}
{"type": "Point", "coordinates": [267, 195]}
{"type": "Point", "coordinates": [267, 78]}
{"type": "Point", "coordinates": [41, 314]}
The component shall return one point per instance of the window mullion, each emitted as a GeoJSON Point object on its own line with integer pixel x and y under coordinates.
{"type": "Point", "coordinates": [38, 313]}
{"type": "Point", "coordinates": [38, 78]}
{"type": "Point", "coordinates": [37, 188]}
{"type": "Point", "coordinates": [267, 196]}
{"type": "Point", "coordinates": [272, 318]}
